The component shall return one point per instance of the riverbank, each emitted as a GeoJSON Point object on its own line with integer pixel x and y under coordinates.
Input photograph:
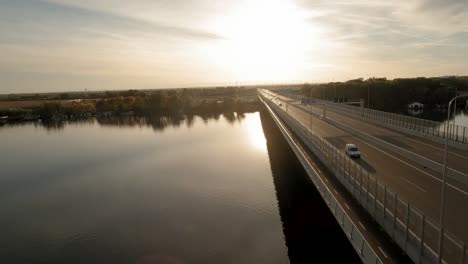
{"type": "Point", "coordinates": [178, 102]}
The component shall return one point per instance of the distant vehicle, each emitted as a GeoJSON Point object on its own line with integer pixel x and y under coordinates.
{"type": "Point", "coordinates": [352, 151]}
{"type": "Point", "coordinates": [280, 104]}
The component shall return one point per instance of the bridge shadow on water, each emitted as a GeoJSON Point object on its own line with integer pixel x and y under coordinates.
{"type": "Point", "coordinates": [311, 232]}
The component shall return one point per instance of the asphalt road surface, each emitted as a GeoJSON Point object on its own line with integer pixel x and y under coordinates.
{"type": "Point", "coordinates": [409, 179]}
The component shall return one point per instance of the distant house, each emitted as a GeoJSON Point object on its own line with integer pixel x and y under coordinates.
{"type": "Point", "coordinates": [415, 105]}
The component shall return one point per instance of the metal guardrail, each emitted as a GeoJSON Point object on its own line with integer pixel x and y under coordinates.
{"type": "Point", "coordinates": [415, 233]}
{"type": "Point", "coordinates": [451, 173]}
{"type": "Point", "coordinates": [455, 132]}
{"type": "Point", "coordinates": [435, 129]}
{"type": "Point", "coordinates": [360, 244]}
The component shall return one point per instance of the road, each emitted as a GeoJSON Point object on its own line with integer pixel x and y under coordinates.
{"type": "Point", "coordinates": [457, 159]}
{"type": "Point", "coordinates": [387, 251]}
{"type": "Point", "coordinates": [409, 179]}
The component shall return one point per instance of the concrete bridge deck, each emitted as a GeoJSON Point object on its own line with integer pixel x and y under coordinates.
{"type": "Point", "coordinates": [368, 241]}
{"type": "Point", "coordinates": [412, 181]}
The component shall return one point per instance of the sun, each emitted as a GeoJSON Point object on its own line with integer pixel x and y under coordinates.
{"type": "Point", "coordinates": [265, 40]}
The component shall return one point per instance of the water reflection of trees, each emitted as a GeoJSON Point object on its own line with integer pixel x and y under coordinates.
{"type": "Point", "coordinates": [157, 122]}
{"type": "Point", "coordinates": [230, 112]}
{"type": "Point", "coordinates": [49, 125]}
{"type": "Point", "coordinates": [161, 122]}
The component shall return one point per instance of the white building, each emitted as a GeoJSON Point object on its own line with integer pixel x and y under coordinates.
{"type": "Point", "coordinates": [415, 105]}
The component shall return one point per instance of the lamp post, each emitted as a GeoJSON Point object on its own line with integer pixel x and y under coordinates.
{"type": "Point", "coordinates": [368, 97]}
{"type": "Point", "coordinates": [441, 221]}
{"type": "Point", "coordinates": [334, 87]}
{"type": "Point", "coordinates": [455, 105]}
{"type": "Point", "coordinates": [311, 110]}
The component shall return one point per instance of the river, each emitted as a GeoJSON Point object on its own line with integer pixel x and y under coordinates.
{"type": "Point", "coordinates": [225, 189]}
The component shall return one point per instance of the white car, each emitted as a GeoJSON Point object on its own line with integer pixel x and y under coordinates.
{"type": "Point", "coordinates": [352, 151]}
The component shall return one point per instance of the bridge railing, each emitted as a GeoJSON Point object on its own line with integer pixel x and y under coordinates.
{"type": "Point", "coordinates": [431, 128]}
{"type": "Point", "coordinates": [414, 232]}
{"type": "Point", "coordinates": [363, 248]}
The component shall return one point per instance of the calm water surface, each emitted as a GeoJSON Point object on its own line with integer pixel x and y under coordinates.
{"type": "Point", "coordinates": [198, 191]}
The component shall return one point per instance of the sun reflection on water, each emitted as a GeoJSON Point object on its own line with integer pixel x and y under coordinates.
{"type": "Point", "coordinates": [254, 130]}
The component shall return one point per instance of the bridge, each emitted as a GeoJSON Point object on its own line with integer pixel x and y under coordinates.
{"type": "Point", "coordinates": [397, 183]}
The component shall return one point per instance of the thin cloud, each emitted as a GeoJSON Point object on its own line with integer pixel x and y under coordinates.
{"type": "Point", "coordinates": [133, 23]}
{"type": "Point", "coordinates": [170, 42]}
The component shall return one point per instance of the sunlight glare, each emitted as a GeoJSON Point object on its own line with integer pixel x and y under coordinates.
{"type": "Point", "coordinates": [265, 40]}
{"type": "Point", "coordinates": [255, 132]}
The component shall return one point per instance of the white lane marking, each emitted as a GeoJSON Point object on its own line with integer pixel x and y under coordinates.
{"type": "Point", "coordinates": [347, 206]}
{"type": "Point", "coordinates": [393, 133]}
{"type": "Point", "coordinates": [383, 252]}
{"type": "Point", "coordinates": [398, 134]}
{"type": "Point", "coordinates": [362, 226]}
{"type": "Point", "coordinates": [432, 176]}
{"type": "Point", "coordinates": [346, 134]}
{"type": "Point", "coordinates": [456, 188]}
{"type": "Point", "coordinates": [410, 182]}
{"type": "Point", "coordinates": [378, 149]}
{"type": "Point", "coordinates": [433, 146]}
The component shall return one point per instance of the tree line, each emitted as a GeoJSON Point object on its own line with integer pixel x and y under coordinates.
{"type": "Point", "coordinates": [210, 91]}
{"type": "Point", "coordinates": [164, 102]}
{"type": "Point", "coordinates": [391, 95]}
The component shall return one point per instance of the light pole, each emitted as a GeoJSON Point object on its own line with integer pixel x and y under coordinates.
{"type": "Point", "coordinates": [310, 116]}
{"type": "Point", "coordinates": [334, 86]}
{"type": "Point", "coordinates": [441, 221]}
{"type": "Point", "coordinates": [368, 97]}
{"type": "Point", "coordinates": [455, 105]}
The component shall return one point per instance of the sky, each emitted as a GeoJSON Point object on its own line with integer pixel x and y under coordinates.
{"type": "Point", "coordinates": [69, 45]}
